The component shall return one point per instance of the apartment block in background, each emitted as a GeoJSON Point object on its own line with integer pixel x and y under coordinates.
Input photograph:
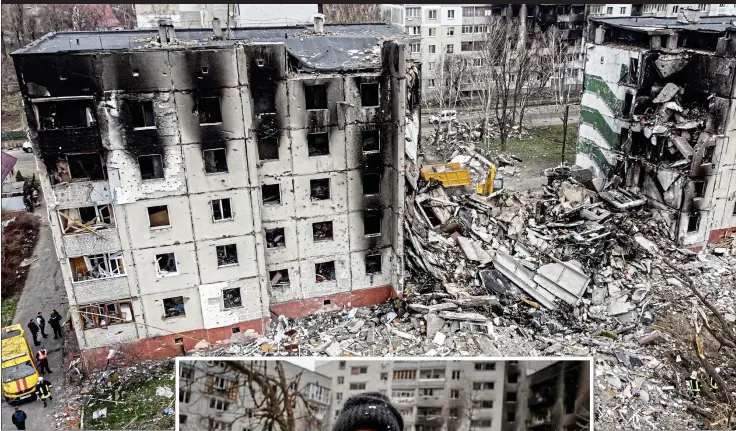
{"type": "Point", "coordinates": [657, 118]}
{"type": "Point", "coordinates": [659, 10]}
{"type": "Point", "coordinates": [239, 15]}
{"type": "Point", "coordinates": [198, 184]}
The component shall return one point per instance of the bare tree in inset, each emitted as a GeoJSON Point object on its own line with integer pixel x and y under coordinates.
{"type": "Point", "coordinates": [347, 13]}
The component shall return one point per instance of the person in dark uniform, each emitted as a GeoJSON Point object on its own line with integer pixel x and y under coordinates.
{"type": "Point", "coordinates": [34, 330]}
{"type": "Point", "coordinates": [19, 419]}
{"type": "Point", "coordinates": [55, 323]}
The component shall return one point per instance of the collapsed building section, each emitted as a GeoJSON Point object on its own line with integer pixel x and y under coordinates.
{"type": "Point", "coordinates": [657, 121]}
{"type": "Point", "coordinates": [200, 185]}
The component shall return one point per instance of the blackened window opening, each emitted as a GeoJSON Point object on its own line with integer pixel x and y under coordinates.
{"type": "Point", "coordinates": [628, 100]}
{"type": "Point", "coordinates": [279, 278]}
{"type": "Point", "coordinates": [209, 110]}
{"type": "Point", "coordinates": [141, 114]}
{"type": "Point", "coordinates": [65, 115]}
{"type": "Point", "coordinates": [372, 223]}
{"type": "Point", "coordinates": [572, 380]}
{"type": "Point", "coordinates": [215, 161]}
{"type": "Point", "coordinates": [699, 189]}
{"type": "Point", "coordinates": [693, 222]}
{"type": "Point", "coordinates": [373, 264]}
{"type": "Point", "coordinates": [316, 96]}
{"type": "Point", "coordinates": [271, 194]}
{"type": "Point", "coordinates": [268, 148]}
{"type": "Point", "coordinates": [166, 263]}
{"type": "Point", "coordinates": [151, 166]}
{"type": "Point", "coordinates": [708, 154]}
{"type": "Point", "coordinates": [371, 141]}
{"type": "Point", "coordinates": [174, 307]}
{"type": "Point", "coordinates": [231, 298]}
{"type": "Point", "coordinates": [227, 254]}
{"type": "Point", "coordinates": [158, 216]}
{"type": "Point", "coordinates": [322, 231]}
{"type": "Point", "coordinates": [369, 95]}
{"type": "Point", "coordinates": [275, 238]}
{"type": "Point", "coordinates": [318, 144]}
{"type": "Point", "coordinates": [371, 184]}
{"type": "Point", "coordinates": [324, 271]}
{"type": "Point", "coordinates": [319, 189]}
{"type": "Point", "coordinates": [85, 167]}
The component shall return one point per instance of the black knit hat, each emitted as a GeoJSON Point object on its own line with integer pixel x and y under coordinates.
{"type": "Point", "coordinates": [370, 411]}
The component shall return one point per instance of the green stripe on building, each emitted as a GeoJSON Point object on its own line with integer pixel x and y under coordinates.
{"type": "Point", "coordinates": [589, 148]}
{"type": "Point", "coordinates": [594, 119]}
{"type": "Point", "coordinates": [599, 87]}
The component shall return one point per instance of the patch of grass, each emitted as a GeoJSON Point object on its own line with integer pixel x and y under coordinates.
{"type": "Point", "coordinates": [138, 408]}
{"type": "Point", "coordinates": [543, 145]}
{"type": "Point", "coordinates": [9, 305]}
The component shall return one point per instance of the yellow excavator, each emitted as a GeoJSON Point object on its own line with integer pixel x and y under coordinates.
{"type": "Point", "coordinates": [452, 175]}
{"type": "Point", "coordinates": [489, 186]}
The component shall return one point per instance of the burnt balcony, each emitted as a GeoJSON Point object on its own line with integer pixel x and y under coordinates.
{"type": "Point", "coordinates": [71, 139]}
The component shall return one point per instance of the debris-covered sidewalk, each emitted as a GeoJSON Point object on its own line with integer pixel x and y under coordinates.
{"type": "Point", "coordinates": [563, 271]}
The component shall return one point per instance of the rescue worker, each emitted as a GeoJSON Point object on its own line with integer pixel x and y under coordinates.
{"type": "Point", "coordinates": [34, 330]}
{"type": "Point", "coordinates": [369, 411]}
{"type": "Point", "coordinates": [43, 391]}
{"type": "Point", "coordinates": [19, 419]}
{"type": "Point", "coordinates": [55, 323]}
{"type": "Point", "coordinates": [41, 322]}
{"type": "Point", "coordinates": [42, 359]}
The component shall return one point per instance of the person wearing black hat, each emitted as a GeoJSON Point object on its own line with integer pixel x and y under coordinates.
{"type": "Point", "coordinates": [369, 411]}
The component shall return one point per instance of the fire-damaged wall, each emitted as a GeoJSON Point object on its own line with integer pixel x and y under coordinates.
{"type": "Point", "coordinates": [195, 188]}
{"type": "Point", "coordinates": [660, 122]}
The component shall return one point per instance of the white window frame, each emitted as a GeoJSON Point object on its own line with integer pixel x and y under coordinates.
{"type": "Point", "coordinates": [415, 48]}
{"type": "Point", "coordinates": [225, 249]}
{"type": "Point", "coordinates": [219, 202]}
{"type": "Point", "coordinates": [609, 10]}
{"type": "Point", "coordinates": [432, 49]}
{"type": "Point", "coordinates": [430, 83]}
{"type": "Point", "coordinates": [430, 65]}
{"type": "Point", "coordinates": [451, 14]}
{"type": "Point", "coordinates": [160, 274]}
{"type": "Point", "coordinates": [451, 31]}
{"type": "Point", "coordinates": [413, 12]}
{"type": "Point", "coordinates": [432, 31]}
{"type": "Point", "coordinates": [220, 383]}
{"type": "Point", "coordinates": [430, 14]}
{"type": "Point", "coordinates": [415, 30]}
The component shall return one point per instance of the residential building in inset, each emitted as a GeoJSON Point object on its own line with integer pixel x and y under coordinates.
{"type": "Point", "coordinates": [657, 118]}
{"type": "Point", "coordinates": [240, 15]}
{"type": "Point", "coordinates": [213, 395]}
{"type": "Point", "coordinates": [198, 183]}
{"type": "Point", "coordinates": [659, 10]}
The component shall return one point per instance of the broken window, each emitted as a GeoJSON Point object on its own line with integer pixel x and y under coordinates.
{"type": "Point", "coordinates": [151, 166]}
{"type": "Point", "coordinates": [275, 238]}
{"type": "Point", "coordinates": [83, 167]}
{"type": "Point", "coordinates": [628, 100]}
{"type": "Point", "coordinates": [708, 154]}
{"type": "Point", "coordinates": [221, 209]}
{"type": "Point", "coordinates": [510, 397]}
{"type": "Point", "coordinates": [324, 271]}
{"type": "Point", "coordinates": [174, 307]}
{"type": "Point", "coordinates": [482, 386]}
{"type": "Point", "coordinates": [268, 148]}
{"type": "Point", "coordinates": [166, 265]}
{"type": "Point", "coordinates": [86, 219]}
{"type": "Point", "coordinates": [316, 96]}
{"type": "Point", "coordinates": [271, 194]}
{"type": "Point", "coordinates": [369, 95]}
{"type": "Point", "coordinates": [141, 114]}
{"type": "Point", "coordinates": [322, 231]}
{"type": "Point", "coordinates": [699, 189]}
{"type": "Point", "coordinates": [102, 315]}
{"type": "Point", "coordinates": [215, 160]}
{"type": "Point", "coordinates": [318, 144]}
{"type": "Point", "coordinates": [231, 298]}
{"type": "Point", "coordinates": [513, 378]}
{"type": "Point", "coordinates": [373, 264]}
{"type": "Point", "coordinates": [65, 115]}
{"type": "Point", "coordinates": [693, 222]}
{"type": "Point", "coordinates": [371, 223]}
{"type": "Point", "coordinates": [97, 266]}
{"type": "Point", "coordinates": [279, 278]}
{"type": "Point", "coordinates": [633, 70]}
{"type": "Point", "coordinates": [371, 184]}
{"type": "Point", "coordinates": [219, 404]}
{"type": "Point", "coordinates": [158, 216]}
{"type": "Point", "coordinates": [209, 110]}
{"type": "Point", "coordinates": [371, 142]}
{"type": "Point", "coordinates": [319, 189]}
{"type": "Point", "coordinates": [227, 254]}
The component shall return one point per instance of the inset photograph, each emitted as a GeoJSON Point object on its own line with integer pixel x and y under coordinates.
{"type": "Point", "coordinates": [384, 395]}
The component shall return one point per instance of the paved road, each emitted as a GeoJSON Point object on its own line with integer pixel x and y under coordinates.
{"type": "Point", "coordinates": [26, 163]}
{"type": "Point", "coordinates": [44, 291]}
{"type": "Point", "coordinates": [537, 116]}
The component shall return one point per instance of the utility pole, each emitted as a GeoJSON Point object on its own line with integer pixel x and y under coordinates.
{"type": "Point", "coordinates": [564, 132]}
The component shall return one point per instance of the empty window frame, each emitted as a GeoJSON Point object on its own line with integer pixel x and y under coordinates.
{"type": "Point", "coordinates": [69, 114]}
{"type": "Point", "coordinates": [371, 140]}
{"type": "Point", "coordinates": [315, 96]}
{"type": "Point", "coordinates": [369, 95]}
{"type": "Point", "coordinates": [318, 144]}
{"type": "Point", "coordinates": [373, 264]}
{"type": "Point", "coordinates": [371, 184]}
{"type": "Point", "coordinates": [227, 255]}
{"type": "Point", "coordinates": [141, 114]}
{"type": "Point", "coordinates": [322, 231]}
{"type": "Point", "coordinates": [231, 298]}
{"type": "Point", "coordinates": [81, 167]}
{"type": "Point", "coordinates": [483, 386]}
{"type": "Point", "coordinates": [151, 166]}
{"type": "Point", "coordinates": [271, 194]}
{"type": "Point", "coordinates": [97, 266]}
{"type": "Point", "coordinates": [482, 404]}
{"type": "Point", "coordinates": [166, 265]}
{"type": "Point", "coordinates": [84, 219]}
{"type": "Point", "coordinates": [510, 397]}
{"type": "Point", "coordinates": [513, 378]}
{"type": "Point", "coordinates": [357, 386]}
{"type": "Point", "coordinates": [275, 238]}
{"type": "Point", "coordinates": [215, 160]}
{"type": "Point", "coordinates": [485, 366]}
{"type": "Point", "coordinates": [158, 217]}
{"type": "Point", "coordinates": [358, 370]}
{"type": "Point", "coordinates": [319, 189]}
{"type": "Point", "coordinates": [221, 209]}
{"type": "Point", "coordinates": [324, 271]}
{"type": "Point", "coordinates": [219, 404]}
{"type": "Point", "coordinates": [209, 110]}
{"type": "Point", "coordinates": [184, 395]}
{"type": "Point", "coordinates": [174, 307]}
{"type": "Point", "coordinates": [371, 223]}
{"type": "Point", "coordinates": [699, 189]}
{"type": "Point", "coordinates": [104, 314]}
{"type": "Point", "coordinates": [693, 222]}
{"type": "Point", "coordinates": [279, 278]}
{"type": "Point", "coordinates": [268, 148]}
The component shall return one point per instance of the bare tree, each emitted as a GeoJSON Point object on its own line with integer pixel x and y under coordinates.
{"type": "Point", "coordinates": [446, 78]}
{"type": "Point", "coordinates": [353, 13]}
{"type": "Point", "coordinates": [125, 14]}
{"type": "Point", "coordinates": [90, 16]}
{"type": "Point", "coordinates": [56, 17]}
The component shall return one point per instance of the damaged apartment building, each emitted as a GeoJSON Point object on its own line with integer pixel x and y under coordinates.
{"type": "Point", "coordinates": [202, 181]}
{"type": "Point", "coordinates": [658, 119]}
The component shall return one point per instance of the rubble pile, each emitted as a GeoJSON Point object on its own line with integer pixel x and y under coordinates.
{"type": "Point", "coordinates": [447, 137]}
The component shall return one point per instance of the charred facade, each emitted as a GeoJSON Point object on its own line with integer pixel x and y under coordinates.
{"type": "Point", "coordinates": [199, 182]}
{"type": "Point", "coordinates": [657, 120]}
